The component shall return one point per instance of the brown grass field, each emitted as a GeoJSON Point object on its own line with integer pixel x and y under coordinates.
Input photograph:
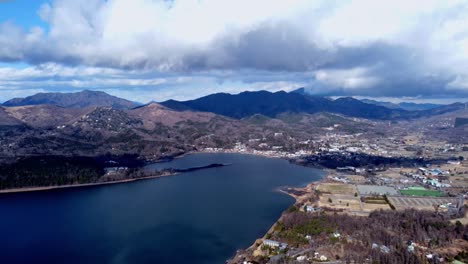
{"type": "Point", "coordinates": [337, 188]}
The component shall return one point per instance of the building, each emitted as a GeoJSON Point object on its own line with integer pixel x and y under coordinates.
{"type": "Point", "coordinates": [384, 249]}
{"type": "Point", "coordinates": [114, 170]}
{"type": "Point", "coordinates": [311, 209]}
{"type": "Point", "coordinates": [274, 244]}
{"type": "Point", "coordinates": [346, 169]}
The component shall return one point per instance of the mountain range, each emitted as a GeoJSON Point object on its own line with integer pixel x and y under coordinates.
{"type": "Point", "coordinates": [271, 104]}
{"type": "Point", "coordinates": [243, 105]}
{"type": "Point", "coordinates": [81, 99]}
{"type": "Point", "coordinates": [403, 105]}
{"type": "Point", "coordinates": [81, 124]}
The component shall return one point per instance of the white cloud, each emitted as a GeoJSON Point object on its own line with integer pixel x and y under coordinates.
{"type": "Point", "coordinates": [354, 78]}
{"type": "Point", "coordinates": [346, 46]}
{"type": "Point", "coordinates": [460, 83]}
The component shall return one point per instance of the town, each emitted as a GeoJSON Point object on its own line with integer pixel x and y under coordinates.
{"type": "Point", "coordinates": [366, 177]}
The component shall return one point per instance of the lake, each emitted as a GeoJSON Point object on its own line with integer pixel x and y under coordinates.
{"type": "Point", "coordinates": [202, 216]}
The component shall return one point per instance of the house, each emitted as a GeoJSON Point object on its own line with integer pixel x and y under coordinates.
{"type": "Point", "coordinates": [418, 177]}
{"type": "Point", "coordinates": [382, 248]}
{"type": "Point", "coordinates": [352, 149]}
{"type": "Point", "coordinates": [301, 258]}
{"type": "Point", "coordinates": [347, 168]}
{"type": "Point", "coordinates": [114, 170]}
{"type": "Point", "coordinates": [411, 247]}
{"type": "Point", "coordinates": [435, 172]}
{"type": "Point", "coordinates": [340, 179]}
{"type": "Point", "coordinates": [336, 235]}
{"type": "Point", "coordinates": [274, 244]}
{"type": "Point", "coordinates": [311, 209]}
{"type": "Point", "coordinates": [436, 183]}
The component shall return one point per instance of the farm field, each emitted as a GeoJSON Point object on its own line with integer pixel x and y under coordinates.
{"type": "Point", "coordinates": [372, 207]}
{"type": "Point", "coordinates": [420, 203]}
{"type": "Point", "coordinates": [337, 188]}
{"type": "Point", "coordinates": [338, 201]}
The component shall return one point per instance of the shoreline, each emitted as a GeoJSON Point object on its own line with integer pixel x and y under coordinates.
{"type": "Point", "coordinates": [83, 185]}
{"type": "Point", "coordinates": [296, 200]}
{"type": "Point", "coordinates": [67, 186]}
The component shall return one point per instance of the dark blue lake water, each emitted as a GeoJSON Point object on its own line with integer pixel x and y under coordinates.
{"type": "Point", "coordinates": [202, 216]}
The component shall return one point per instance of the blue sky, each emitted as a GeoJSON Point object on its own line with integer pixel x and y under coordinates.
{"type": "Point", "coordinates": [155, 50]}
{"type": "Point", "coordinates": [21, 12]}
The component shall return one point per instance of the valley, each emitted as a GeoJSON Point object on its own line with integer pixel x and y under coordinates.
{"type": "Point", "coordinates": [154, 132]}
{"type": "Point", "coordinates": [363, 148]}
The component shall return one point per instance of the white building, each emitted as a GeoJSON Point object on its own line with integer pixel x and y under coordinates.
{"type": "Point", "coordinates": [274, 244]}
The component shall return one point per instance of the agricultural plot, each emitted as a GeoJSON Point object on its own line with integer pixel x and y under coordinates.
{"type": "Point", "coordinates": [337, 201]}
{"type": "Point", "coordinates": [337, 188]}
{"type": "Point", "coordinates": [421, 203]}
{"type": "Point", "coordinates": [368, 207]}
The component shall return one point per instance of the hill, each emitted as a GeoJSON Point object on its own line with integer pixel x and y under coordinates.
{"type": "Point", "coordinates": [153, 114]}
{"type": "Point", "coordinates": [403, 105]}
{"type": "Point", "coordinates": [81, 99]}
{"type": "Point", "coordinates": [7, 120]}
{"type": "Point", "coordinates": [461, 121]}
{"type": "Point", "coordinates": [44, 116]}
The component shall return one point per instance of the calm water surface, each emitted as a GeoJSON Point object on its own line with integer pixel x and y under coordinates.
{"type": "Point", "coordinates": [197, 217]}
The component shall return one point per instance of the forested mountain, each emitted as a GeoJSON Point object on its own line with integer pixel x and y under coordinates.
{"type": "Point", "coordinates": [271, 104]}
{"type": "Point", "coordinates": [73, 100]}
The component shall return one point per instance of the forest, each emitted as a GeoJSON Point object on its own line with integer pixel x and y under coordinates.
{"type": "Point", "coordinates": [39, 171]}
{"type": "Point", "coordinates": [383, 237]}
{"type": "Point", "coordinates": [49, 171]}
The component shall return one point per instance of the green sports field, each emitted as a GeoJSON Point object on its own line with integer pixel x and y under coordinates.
{"type": "Point", "coordinates": [420, 191]}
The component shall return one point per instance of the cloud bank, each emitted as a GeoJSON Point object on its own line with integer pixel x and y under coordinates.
{"type": "Point", "coordinates": [187, 48]}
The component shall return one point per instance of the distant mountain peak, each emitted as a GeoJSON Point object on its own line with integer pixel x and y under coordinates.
{"type": "Point", "coordinates": [348, 99]}
{"type": "Point", "coordinates": [152, 105]}
{"type": "Point", "coordinates": [403, 105]}
{"type": "Point", "coordinates": [301, 90]}
{"type": "Point", "coordinates": [81, 99]}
